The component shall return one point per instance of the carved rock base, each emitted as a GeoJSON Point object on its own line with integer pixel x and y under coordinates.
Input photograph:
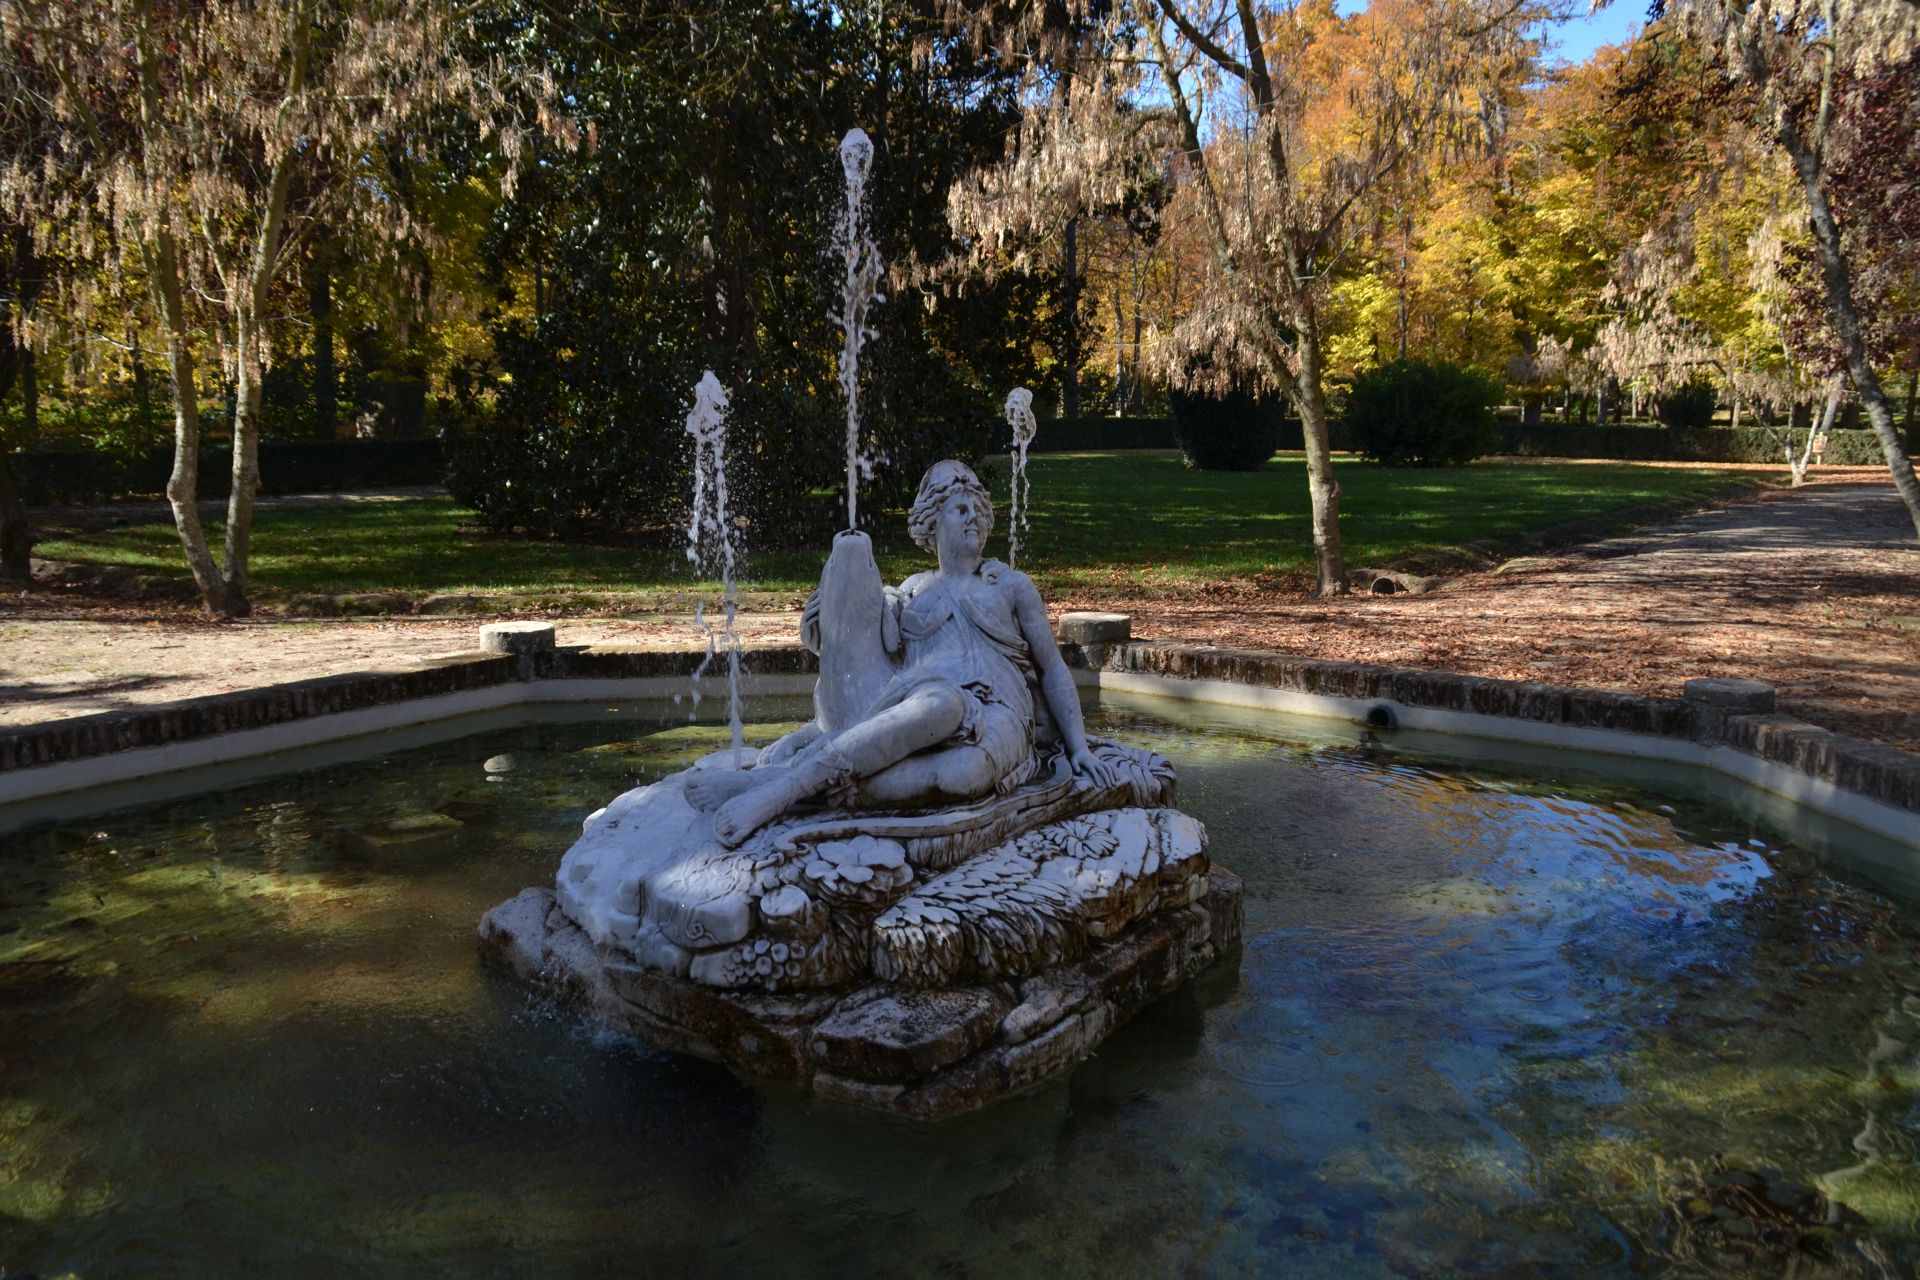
{"type": "Point", "coordinates": [913, 1051]}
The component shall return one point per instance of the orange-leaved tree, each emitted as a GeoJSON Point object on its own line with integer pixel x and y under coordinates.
{"type": "Point", "coordinates": [1283, 120]}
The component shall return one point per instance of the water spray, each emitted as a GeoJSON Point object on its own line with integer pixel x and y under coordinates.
{"type": "Point", "coordinates": [859, 290]}
{"type": "Point", "coordinates": [710, 539]}
{"type": "Point", "coordinates": [1020, 418]}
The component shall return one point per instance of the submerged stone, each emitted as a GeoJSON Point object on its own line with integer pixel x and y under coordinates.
{"type": "Point", "coordinates": [846, 910]}
{"type": "Point", "coordinates": [917, 1053]}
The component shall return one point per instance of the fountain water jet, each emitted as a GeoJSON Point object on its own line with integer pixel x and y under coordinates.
{"type": "Point", "coordinates": [859, 290]}
{"type": "Point", "coordinates": [939, 890]}
{"type": "Point", "coordinates": [1020, 418]}
{"type": "Point", "coordinates": [707, 424]}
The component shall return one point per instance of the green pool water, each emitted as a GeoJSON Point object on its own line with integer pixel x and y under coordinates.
{"type": "Point", "coordinates": [1483, 1023]}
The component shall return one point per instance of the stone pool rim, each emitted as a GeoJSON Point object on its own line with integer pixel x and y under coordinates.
{"type": "Point", "coordinates": [1720, 726]}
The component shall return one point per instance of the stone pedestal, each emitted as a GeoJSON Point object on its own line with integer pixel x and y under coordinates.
{"type": "Point", "coordinates": [519, 639]}
{"type": "Point", "coordinates": [921, 1052]}
{"type": "Point", "coordinates": [1088, 627]}
{"type": "Point", "coordinates": [1715, 698]}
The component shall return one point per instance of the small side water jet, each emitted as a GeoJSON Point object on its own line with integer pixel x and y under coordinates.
{"type": "Point", "coordinates": [937, 892]}
{"type": "Point", "coordinates": [1020, 418]}
{"type": "Point", "coordinates": [707, 424]}
{"type": "Point", "coordinates": [859, 290]}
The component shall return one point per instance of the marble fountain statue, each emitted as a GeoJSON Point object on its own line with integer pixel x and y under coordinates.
{"type": "Point", "coordinates": [937, 892]}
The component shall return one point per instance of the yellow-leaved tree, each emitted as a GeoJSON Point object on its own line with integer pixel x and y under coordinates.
{"type": "Point", "coordinates": [1282, 120]}
{"type": "Point", "coordinates": [195, 146]}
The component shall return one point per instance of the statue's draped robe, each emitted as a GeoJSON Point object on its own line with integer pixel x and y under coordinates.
{"type": "Point", "coordinates": [958, 634]}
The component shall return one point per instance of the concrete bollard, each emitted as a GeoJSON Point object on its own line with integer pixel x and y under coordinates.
{"type": "Point", "coordinates": [1715, 698]}
{"type": "Point", "coordinates": [531, 638]}
{"type": "Point", "coordinates": [1092, 633]}
{"type": "Point", "coordinates": [529, 642]}
{"type": "Point", "coordinates": [1096, 628]}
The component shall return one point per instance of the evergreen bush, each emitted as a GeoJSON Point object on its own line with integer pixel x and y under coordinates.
{"type": "Point", "coordinates": [1235, 432]}
{"type": "Point", "coordinates": [1422, 413]}
{"type": "Point", "coordinates": [1689, 407]}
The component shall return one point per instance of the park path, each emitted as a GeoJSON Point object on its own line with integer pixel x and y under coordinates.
{"type": "Point", "coordinates": [1815, 590]}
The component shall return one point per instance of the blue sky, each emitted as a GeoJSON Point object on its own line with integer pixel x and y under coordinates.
{"type": "Point", "coordinates": [1575, 39]}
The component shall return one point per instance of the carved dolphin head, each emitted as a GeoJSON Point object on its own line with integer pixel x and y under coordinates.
{"type": "Point", "coordinates": [848, 611]}
{"type": "Point", "coordinates": [848, 624]}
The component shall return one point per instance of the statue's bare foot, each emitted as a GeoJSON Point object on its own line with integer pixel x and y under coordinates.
{"type": "Point", "coordinates": [751, 810]}
{"type": "Point", "coordinates": [711, 788]}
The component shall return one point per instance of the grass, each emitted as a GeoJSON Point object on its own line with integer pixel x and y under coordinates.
{"type": "Point", "coordinates": [1140, 521]}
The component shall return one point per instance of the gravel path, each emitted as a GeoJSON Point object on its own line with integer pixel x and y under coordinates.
{"type": "Point", "coordinates": [1815, 590]}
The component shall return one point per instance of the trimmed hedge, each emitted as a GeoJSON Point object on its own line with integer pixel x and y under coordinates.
{"type": "Point", "coordinates": [1423, 413]}
{"type": "Point", "coordinates": [1672, 444]}
{"type": "Point", "coordinates": [1084, 435]}
{"type": "Point", "coordinates": [1095, 435]}
{"type": "Point", "coordinates": [1233, 432]}
{"type": "Point", "coordinates": [286, 466]}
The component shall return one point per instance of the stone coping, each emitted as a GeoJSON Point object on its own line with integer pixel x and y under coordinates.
{"type": "Point", "coordinates": [1866, 769]}
{"type": "Point", "coordinates": [1869, 769]}
{"type": "Point", "coordinates": [103, 733]}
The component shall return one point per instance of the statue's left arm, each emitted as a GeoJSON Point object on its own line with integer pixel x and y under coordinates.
{"type": "Point", "coordinates": [1056, 682]}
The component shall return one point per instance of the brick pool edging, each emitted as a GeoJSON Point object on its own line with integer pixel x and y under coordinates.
{"type": "Point", "coordinates": [64, 755]}
{"type": "Point", "coordinates": [1868, 769]}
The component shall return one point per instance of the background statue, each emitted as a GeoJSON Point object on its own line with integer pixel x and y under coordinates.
{"type": "Point", "coordinates": [934, 694]}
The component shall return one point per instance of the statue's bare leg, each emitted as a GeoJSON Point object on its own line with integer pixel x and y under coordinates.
{"type": "Point", "coordinates": [711, 788]}
{"type": "Point", "coordinates": [923, 720]}
{"type": "Point", "coordinates": [957, 773]}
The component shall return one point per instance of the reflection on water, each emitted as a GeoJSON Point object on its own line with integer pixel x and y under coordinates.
{"type": "Point", "coordinates": [1481, 1024]}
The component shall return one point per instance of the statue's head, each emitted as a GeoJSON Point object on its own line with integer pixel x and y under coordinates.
{"type": "Point", "coordinates": [942, 481]}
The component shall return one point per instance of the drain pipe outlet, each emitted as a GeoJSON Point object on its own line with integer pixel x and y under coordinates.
{"type": "Point", "coordinates": [1381, 716]}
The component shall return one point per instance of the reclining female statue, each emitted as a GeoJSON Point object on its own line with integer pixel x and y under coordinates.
{"type": "Point", "coordinates": [956, 720]}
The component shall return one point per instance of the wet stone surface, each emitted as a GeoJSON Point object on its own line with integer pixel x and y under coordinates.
{"type": "Point", "coordinates": [919, 1053]}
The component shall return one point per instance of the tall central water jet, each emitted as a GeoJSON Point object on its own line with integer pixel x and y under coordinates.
{"type": "Point", "coordinates": [1020, 418]}
{"type": "Point", "coordinates": [859, 290]}
{"type": "Point", "coordinates": [707, 424]}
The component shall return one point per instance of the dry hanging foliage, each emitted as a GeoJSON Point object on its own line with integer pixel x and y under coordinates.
{"type": "Point", "coordinates": [1800, 60]}
{"type": "Point", "coordinates": [1279, 124]}
{"type": "Point", "coordinates": [189, 147]}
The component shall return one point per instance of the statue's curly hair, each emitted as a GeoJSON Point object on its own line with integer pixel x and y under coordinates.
{"type": "Point", "coordinates": [941, 481]}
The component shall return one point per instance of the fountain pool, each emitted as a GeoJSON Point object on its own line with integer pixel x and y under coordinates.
{"type": "Point", "coordinates": [1483, 1022]}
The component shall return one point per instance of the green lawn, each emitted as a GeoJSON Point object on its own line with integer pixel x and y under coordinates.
{"type": "Point", "coordinates": [1141, 520]}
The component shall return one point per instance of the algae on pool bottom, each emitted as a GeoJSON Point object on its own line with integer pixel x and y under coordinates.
{"type": "Point", "coordinates": [1481, 1022]}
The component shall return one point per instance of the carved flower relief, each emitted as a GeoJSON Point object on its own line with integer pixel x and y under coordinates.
{"type": "Point", "coordinates": [865, 870]}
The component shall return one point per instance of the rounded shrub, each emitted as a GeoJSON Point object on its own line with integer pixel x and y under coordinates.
{"type": "Point", "coordinates": [1235, 432]}
{"type": "Point", "coordinates": [1689, 406]}
{"type": "Point", "coordinates": [1423, 413]}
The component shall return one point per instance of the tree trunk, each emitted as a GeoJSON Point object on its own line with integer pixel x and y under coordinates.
{"type": "Point", "coordinates": [326, 381]}
{"type": "Point", "coordinates": [142, 384]}
{"type": "Point", "coordinates": [246, 466]}
{"type": "Point", "coordinates": [1400, 309]}
{"type": "Point", "coordinates": [1322, 486]}
{"type": "Point", "coordinates": [1070, 331]}
{"type": "Point", "coordinates": [1136, 395]}
{"type": "Point", "coordinates": [1529, 411]}
{"type": "Point", "coordinates": [1913, 409]}
{"type": "Point", "coordinates": [183, 485]}
{"type": "Point", "coordinates": [16, 535]}
{"type": "Point", "coordinates": [29, 398]}
{"type": "Point", "coordinates": [1846, 322]}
